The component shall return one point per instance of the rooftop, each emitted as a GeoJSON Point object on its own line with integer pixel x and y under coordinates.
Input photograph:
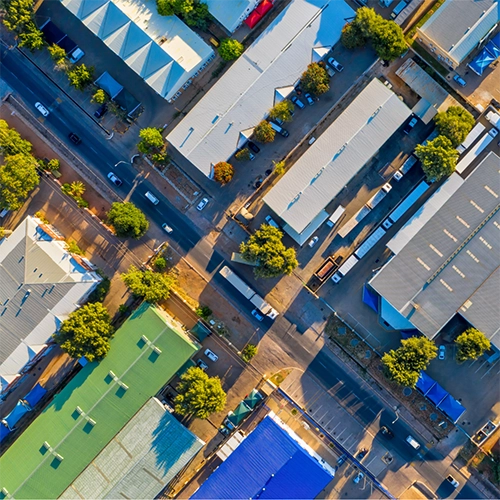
{"type": "Point", "coordinates": [152, 445]}
{"type": "Point", "coordinates": [459, 25]}
{"type": "Point", "coordinates": [302, 195]}
{"type": "Point", "coordinates": [231, 14]}
{"type": "Point", "coordinates": [94, 406]}
{"type": "Point", "coordinates": [447, 256]}
{"type": "Point", "coordinates": [264, 75]}
{"type": "Point", "coordinates": [160, 49]}
{"type": "Point", "coordinates": [41, 284]}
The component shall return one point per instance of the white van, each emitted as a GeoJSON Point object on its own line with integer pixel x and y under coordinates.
{"type": "Point", "coordinates": [413, 442]}
{"type": "Point", "coordinates": [152, 198]}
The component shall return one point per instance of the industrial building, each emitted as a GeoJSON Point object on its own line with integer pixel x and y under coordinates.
{"type": "Point", "coordinates": [162, 50]}
{"type": "Point", "coordinates": [92, 408]}
{"type": "Point", "coordinates": [264, 75]}
{"type": "Point", "coordinates": [41, 284]}
{"type": "Point", "coordinates": [302, 196]}
{"type": "Point", "coordinates": [231, 14]}
{"type": "Point", "coordinates": [446, 259]}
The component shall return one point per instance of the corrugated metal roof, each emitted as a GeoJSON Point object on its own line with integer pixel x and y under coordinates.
{"type": "Point", "coordinates": [231, 13]}
{"type": "Point", "coordinates": [339, 153]}
{"type": "Point", "coordinates": [29, 470]}
{"type": "Point", "coordinates": [449, 254]}
{"type": "Point", "coordinates": [162, 50]}
{"type": "Point", "coordinates": [152, 445]}
{"type": "Point", "coordinates": [244, 95]}
{"type": "Point", "coordinates": [459, 25]}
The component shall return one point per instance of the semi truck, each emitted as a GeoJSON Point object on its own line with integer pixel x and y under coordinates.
{"type": "Point", "coordinates": [345, 268]}
{"type": "Point", "coordinates": [263, 306]}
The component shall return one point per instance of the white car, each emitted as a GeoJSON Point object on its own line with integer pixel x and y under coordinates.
{"type": "Point", "coordinates": [442, 352]}
{"type": "Point", "coordinates": [358, 478]}
{"type": "Point", "coordinates": [257, 315]}
{"type": "Point", "coordinates": [452, 481]}
{"type": "Point", "coordinates": [203, 203]}
{"type": "Point", "coordinates": [335, 64]}
{"type": "Point", "coordinates": [114, 179]}
{"type": "Point", "coordinates": [167, 228]}
{"type": "Point", "coordinates": [42, 108]}
{"type": "Point", "coordinates": [313, 241]}
{"type": "Point", "coordinates": [211, 355]}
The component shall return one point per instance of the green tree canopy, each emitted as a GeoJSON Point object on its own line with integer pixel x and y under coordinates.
{"type": "Point", "coordinates": [151, 140]}
{"type": "Point", "coordinates": [31, 37]}
{"type": "Point", "coordinates": [455, 123]}
{"type": "Point", "coordinates": [471, 344]}
{"type": "Point", "coordinates": [438, 157]}
{"type": "Point", "coordinates": [315, 79]}
{"type": "Point", "coordinates": [18, 176]}
{"type": "Point", "coordinates": [243, 154]}
{"type": "Point", "coordinates": [282, 111]}
{"type": "Point", "coordinates": [11, 142]}
{"type": "Point", "coordinates": [249, 352]}
{"type": "Point", "coordinates": [223, 172]}
{"type": "Point", "coordinates": [263, 132]}
{"type": "Point", "coordinates": [352, 36]}
{"type": "Point", "coordinates": [265, 247]}
{"type": "Point", "coordinates": [404, 364]}
{"type": "Point", "coordinates": [18, 13]}
{"type": "Point", "coordinates": [86, 332]}
{"type": "Point", "coordinates": [199, 395]}
{"type": "Point", "coordinates": [58, 54]}
{"type": "Point", "coordinates": [53, 164]}
{"type": "Point", "coordinates": [80, 76]}
{"type": "Point", "coordinates": [388, 40]}
{"type": "Point", "coordinates": [230, 49]}
{"type": "Point", "coordinates": [149, 285]}
{"type": "Point", "coordinates": [127, 220]}
{"type": "Point", "coordinates": [99, 97]}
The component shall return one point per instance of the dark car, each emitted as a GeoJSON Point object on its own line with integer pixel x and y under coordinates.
{"type": "Point", "coordinates": [410, 125]}
{"type": "Point", "coordinates": [386, 432]}
{"type": "Point", "coordinates": [362, 453]}
{"type": "Point", "coordinates": [74, 138]}
{"type": "Point", "coordinates": [253, 147]}
{"type": "Point", "coordinates": [101, 110]}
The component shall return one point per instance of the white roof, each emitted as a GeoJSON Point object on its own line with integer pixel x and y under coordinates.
{"type": "Point", "coordinates": [231, 13]}
{"type": "Point", "coordinates": [244, 95]}
{"type": "Point", "coordinates": [162, 50]}
{"type": "Point", "coordinates": [339, 153]}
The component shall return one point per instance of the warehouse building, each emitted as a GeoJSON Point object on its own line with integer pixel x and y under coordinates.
{"type": "Point", "coordinates": [302, 196]}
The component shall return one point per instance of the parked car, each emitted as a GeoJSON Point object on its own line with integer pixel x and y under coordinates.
{"type": "Point", "coordinates": [442, 352]}
{"type": "Point", "coordinates": [211, 355]}
{"type": "Point", "coordinates": [309, 99]}
{"type": "Point", "coordinates": [358, 478]}
{"type": "Point", "coordinates": [362, 453]}
{"type": "Point", "coordinates": [452, 481]}
{"type": "Point", "coordinates": [410, 125]}
{"type": "Point", "coordinates": [386, 432]}
{"type": "Point", "coordinates": [272, 222]}
{"type": "Point", "coordinates": [114, 179]}
{"type": "Point", "coordinates": [298, 102]}
{"type": "Point", "coordinates": [74, 138]}
{"type": "Point", "coordinates": [253, 146]}
{"type": "Point", "coordinates": [257, 315]}
{"type": "Point", "coordinates": [341, 460]}
{"type": "Point", "coordinates": [335, 64]}
{"type": "Point", "coordinates": [167, 228]}
{"type": "Point", "coordinates": [201, 364]}
{"type": "Point", "coordinates": [413, 442]}
{"type": "Point", "coordinates": [279, 129]}
{"type": "Point", "coordinates": [101, 110]}
{"type": "Point", "coordinates": [76, 55]}
{"type": "Point", "coordinates": [152, 198]}
{"type": "Point", "coordinates": [313, 241]}
{"type": "Point", "coordinates": [42, 108]}
{"type": "Point", "coordinates": [203, 203]}
{"type": "Point", "coordinates": [460, 80]}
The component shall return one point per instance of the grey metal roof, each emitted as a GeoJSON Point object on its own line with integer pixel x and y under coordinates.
{"type": "Point", "coordinates": [338, 154]}
{"type": "Point", "coordinates": [230, 13]}
{"type": "Point", "coordinates": [150, 450]}
{"type": "Point", "coordinates": [451, 255]}
{"type": "Point", "coordinates": [219, 123]}
{"type": "Point", "coordinates": [459, 25]}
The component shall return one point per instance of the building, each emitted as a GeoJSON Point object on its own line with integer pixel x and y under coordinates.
{"type": "Point", "coordinates": [140, 460]}
{"type": "Point", "coordinates": [302, 196]}
{"type": "Point", "coordinates": [161, 50]}
{"type": "Point", "coordinates": [93, 407]}
{"type": "Point", "coordinates": [231, 14]}
{"type": "Point", "coordinates": [41, 284]}
{"type": "Point", "coordinates": [264, 75]}
{"type": "Point", "coordinates": [271, 462]}
{"type": "Point", "coordinates": [446, 259]}
{"type": "Point", "coordinates": [457, 28]}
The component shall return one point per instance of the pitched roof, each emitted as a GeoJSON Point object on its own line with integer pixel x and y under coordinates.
{"type": "Point", "coordinates": [31, 469]}
{"type": "Point", "coordinates": [231, 14]}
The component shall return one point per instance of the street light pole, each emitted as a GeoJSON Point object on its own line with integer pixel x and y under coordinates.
{"type": "Point", "coordinates": [397, 415]}
{"type": "Point", "coordinates": [121, 161]}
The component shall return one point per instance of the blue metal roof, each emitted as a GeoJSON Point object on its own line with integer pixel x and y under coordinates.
{"type": "Point", "coordinates": [269, 463]}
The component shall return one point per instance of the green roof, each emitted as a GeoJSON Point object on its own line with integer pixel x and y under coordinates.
{"type": "Point", "coordinates": [30, 470]}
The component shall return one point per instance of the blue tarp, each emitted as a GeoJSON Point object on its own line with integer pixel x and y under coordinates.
{"type": "Point", "coordinates": [267, 464]}
{"type": "Point", "coordinates": [436, 394]}
{"type": "Point", "coordinates": [37, 393]}
{"type": "Point", "coordinates": [493, 49]}
{"type": "Point", "coordinates": [452, 408]}
{"type": "Point", "coordinates": [370, 298]}
{"type": "Point", "coordinates": [482, 61]}
{"type": "Point", "coordinates": [15, 415]}
{"type": "Point", "coordinates": [4, 432]}
{"type": "Point", "coordinates": [425, 383]}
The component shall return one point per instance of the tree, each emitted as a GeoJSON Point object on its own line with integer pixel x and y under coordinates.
{"type": "Point", "coordinates": [80, 76]}
{"type": "Point", "coordinates": [2, 232]}
{"type": "Point", "coordinates": [279, 167]}
{"type": "Point", "coordinates": [151, 140]}
{"type": "Point", "coordinates": [264, 132]}
{"type": "Point", "coordinates": [166, 7]}
{"type": "Point", "coordinates": [352, 36]}
{"type": "Point", "coordinates": [160, 263]}
{"type": "Point", "coordinates": [315, 79]}
{"type": "Point", "coordinates": [249, 352]}
{"type": "Point", "coordinates": [99, 97]}
{"type": "Point", "coordinates": [366, 21]}
{"type": "Point", "coordinates": [31, 38]}
{"type": "Point", "coordinates": [455, 123]}
{"type": "Point", "coordinates": [53, 164]}
{"type": "Point", "coordinates": [438, 157]}
{"type": "Point", "coordinates": [223, 172]}
{"type": "Point", "coordinates": [230, 49]}
{"type": "Point", "coordinates": [86, 332]}
{"type": "Point", "coordinates": [76, 189]}
{"type": "Point", "coordinates": [471, 344]}
{"type": "Point", "coordinates": [388, 40]}
{"type": "Point", "coordinates": [404, 364]}
{"type": "Point", "coordinates": [199, 395]}
{"type": "Point", "coordinates": [150, 286]}
{"type": "Point", "coordinates": [204, 312]}
{"type": "Point", "coordinates": [198, 16]}
{"type": "Point", "coordinates": [243, 154]}
{"type": "Point", "coordinates": [266, 249]}
{"type": "Point", "coordinates": [58, 54]}
{"type": "Point", "coordinates": [18, 13]}
{"type": "Point", "coordinates": [282, 111]}
{"type": "Point", "coordinates": [127, 220]}
{"type": "Point", "coordinates": [18, 176]}
{"type": "Point", "coordinates": [11, 142]}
